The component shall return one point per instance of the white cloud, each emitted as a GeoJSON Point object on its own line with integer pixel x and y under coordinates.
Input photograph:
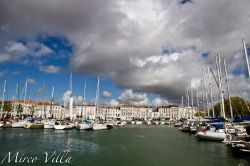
{"type": "Point", "coordinates": [106, 94]}
{"type": "Point", "coordinates": [77, 100]}
{"type": "Point", "coordinates": [159, 102]}
{"type": "Point", "coordinates": [50, 69]}
{"type": "Point", "coordinates": [131, 97]}
{"type": "Point", "coordinates": [31, 81]}
{"type": "Point", "coordinates": [114, 102]}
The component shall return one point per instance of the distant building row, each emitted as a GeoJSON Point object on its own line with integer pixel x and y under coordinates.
{"type": "Point", "coordinates": [122, 112]}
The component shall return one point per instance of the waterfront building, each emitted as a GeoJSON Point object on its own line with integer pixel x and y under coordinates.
{"type": "Point", "coordinates": [169, 112]}
{"type": "Point", "coordinates": [131, 112]}
{"type": "Point", "coordinates": [85, 111]}
{"type": "Point", "coordinates": [172, 112]}
{"type": "Point", "coordinates": [187, 112]}
{"type": "Point", "coordinates": [46, 109]}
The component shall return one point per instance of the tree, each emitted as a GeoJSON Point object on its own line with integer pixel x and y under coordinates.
{"type": "Point", "coordinates": [7, 106]}
{"type": "Point", "coordinates": [239, 105]}
{"type": "Point", "coordinates": [200, 114]}
{"type": "Point", "coordinates": [19, 109]}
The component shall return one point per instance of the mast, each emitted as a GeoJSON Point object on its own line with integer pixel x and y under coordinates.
{"type": "Point", "coordinates": [192, 101]}
{"type": "Point", "coordinates": [228, 90]}
{"type": "Point", "coordinates": [17, 96]}
{"type": "Point", "coordinates": [44, 111]}
{"type": "Point", "coordinates": [71, 98]}
{"type": "Point", "coordinates": [97, 96]}
{"type": "Point", "coordinates": [84, 99]}
{"type": "Point", "coordinates": [211, 92]}
{"type": "Point", "coordinates": [245, 50]}
{"type": "Point", "coordinates": [3, 97]}
{"type": "Point", "coordinates": [25, 90]}
{"type": "Point", "coordinates": [51, 102]}
{"type": "Point", "coordinates": [204, 94]}
{"type": "Point", "coordinates": [218, 66]}
{"type": "Point", "coordinates": [197, 98]}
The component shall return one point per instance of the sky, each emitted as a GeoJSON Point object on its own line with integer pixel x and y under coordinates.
{"type": "Point", "coordinates": [145, 51]}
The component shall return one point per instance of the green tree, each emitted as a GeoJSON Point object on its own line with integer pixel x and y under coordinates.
{"type": "Point", "coordinates": [19, 109]}
{"type": "Point", "coordinates": [7, 106]}
{"type": "Point", "coordinates": [239, 105]}
{"type": "Point", "coordinates": [200, 114]}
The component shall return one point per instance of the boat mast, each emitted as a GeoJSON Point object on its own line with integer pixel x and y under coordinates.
{"type": "Point", "coordinates": [192, 102]}
{"type": "Point", "coordinates": [211, 92]}
{"type": "Point", "coordinates": [71, 98]}
{"type": "Point", "coordinates": [197, 98]}
{"type": "Point", "coordinates": [3, 97]}
{"type": "Point", "coordinates": [245, 50]}
{"type": "Point", "coordinates": [43, 103]}
{"type": "Point", "coordinates": [97, 96]}
{"type": "Point", "coordinates": [84, 100]}
{"type": "Point", "coordinates": [25, 90]}
{"type": "Point", "coordinates": [228, 91]}
{"type": "Point", "coordinates": [182, 107]}
{"type": "Point", "coordinates": [204, 94]}
{"type": "Point", "coordinates": [51, 102]}
{"type": "Point", "coordinates": [218, 66]}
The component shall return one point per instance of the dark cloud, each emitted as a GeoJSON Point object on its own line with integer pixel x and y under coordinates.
{"type": "Point", "coordinates": [123, 40]}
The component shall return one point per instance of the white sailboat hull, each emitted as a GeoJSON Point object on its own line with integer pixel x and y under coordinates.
{"type": "Point", "coordinates": [211, 136]}
{"type": "Point", "coordinates": [83, 126]}
{"type": "Point", "coordinates": [63, 127]}
{"type": "Point", "coordinates": [59, 127]}
{"type": "Point", "coordinates": [138, 122]}
{"type": "Point", "coordinates": [100, 127]}
{"type": "Point", "coordinates": [18, 124]}
{"type": "Point", "coordinates": [49, 124]}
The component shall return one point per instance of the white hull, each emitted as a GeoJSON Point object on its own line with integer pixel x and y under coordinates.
{"type": "Point", "coordinates": [18, 124]}
{"type": "Point", "coordinates": [83, 126]}
{"type": "Point", "coordinates": [59, 127]}
{"type": "Point", "coordinates": [211, 136]}
{"type": "Point", "coordinates": [49, 124]}
{"type": "Point", "coordinates": [33, 126]}
{"type": "Point", "coordinates": [100, 127]}
{"type": "Point", "coordinates": [1, 125]}
{"type": "Point", "coordinates": [138, 122]}
{"type": "Point", "coordinates": [63, 127]}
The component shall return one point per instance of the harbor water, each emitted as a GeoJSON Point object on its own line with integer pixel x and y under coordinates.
{"type": "Point", "coordinates": [127, 146]}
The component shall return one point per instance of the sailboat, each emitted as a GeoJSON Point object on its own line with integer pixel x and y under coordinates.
{"type": "Point", "coordinates": [50, 123]}
{"type": "Point", "coordinates": [218, 134]}
{"type": "Point", "coordinates": [98, 125]}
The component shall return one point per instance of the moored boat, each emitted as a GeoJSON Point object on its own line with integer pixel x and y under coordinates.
{"type": "Point", "coordinates": [100, 126]}
{"type": "Point", "coordinates": [85, 125]}
{"type": "Point", "coordinates": [30, 125]}
{"type": "Point", "coordinates": [19, 124]}
{"type": "Point", "coordinates": [49, 124]}
{"type": "Point", "coordinates": [139, 122]}
{"type": "Point", "coordinates": [209, 135]}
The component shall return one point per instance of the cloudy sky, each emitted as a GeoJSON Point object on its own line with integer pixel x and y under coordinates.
{"type": "Point", "coordinates": [145, 51]}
